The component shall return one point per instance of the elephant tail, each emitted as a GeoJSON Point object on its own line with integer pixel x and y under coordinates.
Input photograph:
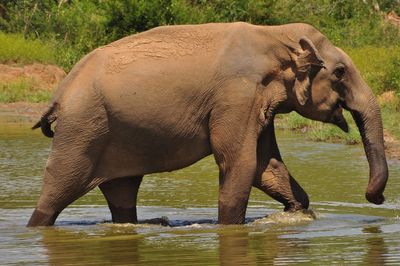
{"type": "Point", "coordinates": [45, 122]}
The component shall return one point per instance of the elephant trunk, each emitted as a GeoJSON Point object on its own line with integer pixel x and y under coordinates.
{"type": "Point", "coordinates": [366, 113]}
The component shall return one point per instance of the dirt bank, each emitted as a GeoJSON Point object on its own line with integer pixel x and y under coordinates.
{"type": "Point", "coordinates": [392, 146]}
{"type": "Point", "coordinates": [41, 76]}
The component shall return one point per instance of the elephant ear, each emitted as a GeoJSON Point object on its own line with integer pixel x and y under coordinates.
{"type": "Point", "coordinates": [304, 59]}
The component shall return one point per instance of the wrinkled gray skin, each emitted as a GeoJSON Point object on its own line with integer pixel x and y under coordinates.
{"type": "Point", "coordinates": [163, 99]}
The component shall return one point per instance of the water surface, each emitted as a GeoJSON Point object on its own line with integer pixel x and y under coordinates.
{"type": "Point", "coordinates": [348, 230]}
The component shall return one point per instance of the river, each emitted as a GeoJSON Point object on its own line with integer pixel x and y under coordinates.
{"type": "Point", "coordinates": [347, 229]}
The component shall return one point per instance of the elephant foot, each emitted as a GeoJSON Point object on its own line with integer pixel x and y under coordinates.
{"type": "Point", "coordinates": [123, 215]}
{"type": "Point", "coordinates": [294, 207]}
{"type": "Point", "coordinates": [40, 218]}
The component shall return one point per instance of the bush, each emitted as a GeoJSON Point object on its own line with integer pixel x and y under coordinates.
{"type": "Point", "coordinates": [345, 23]}
{"type": "Point", "coordinates": [392, 80]}
{"type": "Point", "coordinates": [75, 27]}
{"type": "Point", "coordinates": [131, 16]}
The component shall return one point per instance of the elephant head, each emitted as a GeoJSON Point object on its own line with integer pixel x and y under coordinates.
{"type": "Point", "coordinates": [325, 81]}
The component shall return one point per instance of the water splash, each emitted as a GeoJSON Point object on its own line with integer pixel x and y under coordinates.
{"type": "Point", "coordinates": [288, 217]}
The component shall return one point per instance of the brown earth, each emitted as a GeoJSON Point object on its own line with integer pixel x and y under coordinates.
{"type": "Point", "coordinates": [41, 76]}
{"type": "Point", "coordinates": [388, 97]}
{"type": "Point", "coordinates": [392, 146]}
{"type": "Point", "coordinates": [393, 18]}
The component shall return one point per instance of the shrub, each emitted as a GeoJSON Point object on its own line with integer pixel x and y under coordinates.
{"type": "Point", "coordinates": [76, 27]}
{"type": "Point", "coordinates": [392, 80]}
{"type": "Point", "coordinates": [345, 23]}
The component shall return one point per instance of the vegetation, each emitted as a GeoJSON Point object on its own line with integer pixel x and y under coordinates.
{"type": "Point", "coordinates": [379, 66]}
{"type": "Point", "coordinates": [391, 118]}
{"type": "Point", "coordinates": [23, 90]}
{"type": "Point", "coordinates": [16, 49]}
{"type": "Point", "coordinates": [62, 31]}
{"type": "Point", "coordinates": [76, 27]}
{"type": "Point", "coordinates": [319, 131]}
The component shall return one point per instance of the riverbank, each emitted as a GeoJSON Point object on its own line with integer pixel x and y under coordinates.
{"type": "Point", "coordinates": [21, 112]}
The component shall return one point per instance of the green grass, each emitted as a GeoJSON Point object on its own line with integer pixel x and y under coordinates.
{"type": "Point", "coordinates": [318, 131]}
{"type": "Point", "coordinates": [15, 49]}
{"type": "Point", "coordinates": [379, 66]}
{"type": "Point", "coordinates": [23, 90]}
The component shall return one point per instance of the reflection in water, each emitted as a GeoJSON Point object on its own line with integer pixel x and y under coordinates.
{"type": "Point", "coordinates": [376, 247]}
{"type": "Point", "coordinates": [70, 247]}
{"type": "Point", "coordinates": [234, 248]}
{"type": "Point", "coordinates": [249, 247]}
{"type": "Point", "coordinates": [151, 245]}
{"type": "Point", "coordinates": [366, 241]}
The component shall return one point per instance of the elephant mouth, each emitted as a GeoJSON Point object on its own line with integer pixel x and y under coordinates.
{"type": "Point", "coordinates": [339, 120]}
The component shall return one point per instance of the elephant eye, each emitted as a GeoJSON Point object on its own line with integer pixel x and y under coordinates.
{"type": "Point", "coordinates": [339, 72]}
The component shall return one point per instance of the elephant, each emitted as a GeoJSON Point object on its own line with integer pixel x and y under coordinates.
{"type": "Point", "coordinates": [165, 98]}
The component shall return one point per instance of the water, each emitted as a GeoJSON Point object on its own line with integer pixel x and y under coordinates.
{"type": "Point", "coordinates": [347, 229]}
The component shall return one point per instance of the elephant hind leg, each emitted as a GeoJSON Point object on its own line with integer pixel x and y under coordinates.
{"type": "Point", "coordinates": [57, 193]}
{"type": "Point", "coordinates": [121, 195]}
{"type": "Point", "coordinates": [81, 133]}
{"type": "Point", "coordinates": [68, 176]}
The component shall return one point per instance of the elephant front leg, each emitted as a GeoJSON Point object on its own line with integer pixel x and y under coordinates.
{"type": "Point", "coordinates": [272, 176]}
{"type": "Point", "coordinates": [121, 195]}
{"type": "Point", "coordinates": [234, 192]}
{"type": "Point", "coordinates": [236, 157]}
{"type": "Point", "coordinates": [237, 166]}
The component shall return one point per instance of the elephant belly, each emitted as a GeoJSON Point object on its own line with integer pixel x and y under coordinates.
{"type": "Point", "coordinates": [157, 122]}
{"type": "Point", "coordinates": [139, 152]}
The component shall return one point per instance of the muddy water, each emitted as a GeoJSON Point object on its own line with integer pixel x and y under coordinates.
{"type": "Point", "coordinates": [347, 229]}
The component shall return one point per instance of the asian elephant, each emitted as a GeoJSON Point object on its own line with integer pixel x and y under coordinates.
{"type": "Point", "coordinates": [165, 98]}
